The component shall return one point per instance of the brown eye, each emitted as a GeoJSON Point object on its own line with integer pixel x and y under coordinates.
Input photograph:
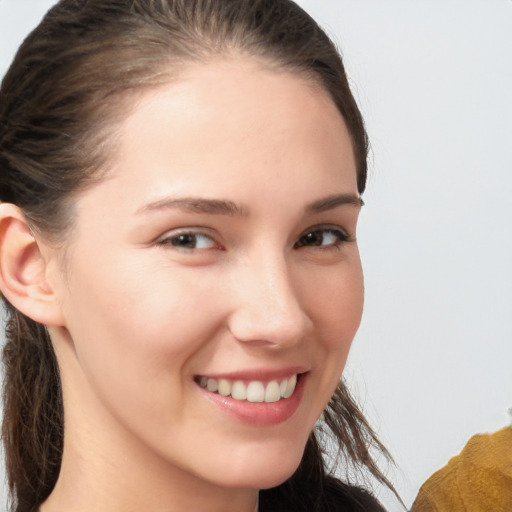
{"type": "Point", "coordinates": [189, 241]}
{"type": "Point", "coordinates": [322, 237]}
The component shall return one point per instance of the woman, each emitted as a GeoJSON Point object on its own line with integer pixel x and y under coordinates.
{"type": "Point", "coordinates": [181, 182]}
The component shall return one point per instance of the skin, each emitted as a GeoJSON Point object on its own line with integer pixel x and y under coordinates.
{"type": "Point", "coordinates": [140, 318]}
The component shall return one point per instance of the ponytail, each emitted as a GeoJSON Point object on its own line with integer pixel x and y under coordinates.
{"type": "Point", "coordinates": [32, 428]}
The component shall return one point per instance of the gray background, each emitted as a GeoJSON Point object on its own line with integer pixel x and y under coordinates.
{"type": "Point", "coordinates": [432, 361]}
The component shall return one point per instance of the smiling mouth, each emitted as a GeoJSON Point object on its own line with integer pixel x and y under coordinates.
{"type": "Point", "coordinates": [251, 391]}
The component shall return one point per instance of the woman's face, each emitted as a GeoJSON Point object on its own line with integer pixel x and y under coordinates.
{"type": "Point", "coordinates": [219, 252]}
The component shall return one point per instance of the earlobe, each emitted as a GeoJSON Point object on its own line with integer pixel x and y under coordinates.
{"type": "Point", "coordinates": [24, 269]}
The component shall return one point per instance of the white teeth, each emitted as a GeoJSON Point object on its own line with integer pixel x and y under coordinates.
{"type": "Point", "coordinates": [272, 393]}
{"type": "Point", "coordinates": [290, 387]}
{"type": "Point", "coordinates": [224, 387]}
{"type": "Point", "coordinates": [239, 391]}
{"type": "Point", "coordinates": [212, 385]}
{"type": "Point", "coordinates": [254, 391]}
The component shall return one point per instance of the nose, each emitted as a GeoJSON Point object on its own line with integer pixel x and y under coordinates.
{"type": "Point", "coordinates": [267, 307]}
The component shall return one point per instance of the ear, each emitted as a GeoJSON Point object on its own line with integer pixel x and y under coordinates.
{"type": "Point", "coordinates": [24, 270]}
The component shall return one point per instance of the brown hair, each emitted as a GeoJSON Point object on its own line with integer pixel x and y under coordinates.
{"type": "Point", "coordinates": [59, 105]}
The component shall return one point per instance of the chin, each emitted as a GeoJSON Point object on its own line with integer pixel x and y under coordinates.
{"type": "Point", "coordinates": [277, 480]}
{"type": "Point", "coordinates": [264, 474]}
{"type": "Point", "coordinates": [264, 480]}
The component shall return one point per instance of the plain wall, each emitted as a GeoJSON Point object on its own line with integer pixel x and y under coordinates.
{"type": "Point", "coordinates": [432, 361]}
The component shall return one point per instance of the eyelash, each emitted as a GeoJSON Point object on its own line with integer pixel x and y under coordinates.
{"type": "Point", "coordinates": [340, 237]}
{"type": "Point", "coordinates": [184, 239]}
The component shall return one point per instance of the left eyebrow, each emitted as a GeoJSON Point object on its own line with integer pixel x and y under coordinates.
{"type": "Point", "coordinates": [330, 202]}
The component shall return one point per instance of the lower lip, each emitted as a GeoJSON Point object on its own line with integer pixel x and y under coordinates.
{"type": "Point", "coordinates": [259, 414]}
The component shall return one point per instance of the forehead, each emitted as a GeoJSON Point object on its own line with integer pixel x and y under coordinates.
{"type": "Point", "coordinates": [242, 86]}
{"type": "Point", "coordinates": [228, 129]}
{"type": "Point", "coordinates": [226, 102]}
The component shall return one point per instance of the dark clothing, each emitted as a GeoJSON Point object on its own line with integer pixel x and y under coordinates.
{"type": "Point", "coordinates": [332, 496]}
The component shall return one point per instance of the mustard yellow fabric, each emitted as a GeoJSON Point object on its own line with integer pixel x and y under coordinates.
{"type": "Point", "coordinates": [479, 479]}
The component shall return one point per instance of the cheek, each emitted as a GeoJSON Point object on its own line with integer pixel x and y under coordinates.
{"type": "Point", "coordinates": [139, 325]}
{"type": "Point", "coordinates": [128, 296]}
{"type": "Point", "coordinates": [128, 325]}
{"type": "Point", "coordinates": [336, 305]}
{"type": "Point", "coordinates": [333, 298]}
{"type": "Point", "coordinates": [336, 312]}
{"type": "Point", "coordinates": [134, 342]}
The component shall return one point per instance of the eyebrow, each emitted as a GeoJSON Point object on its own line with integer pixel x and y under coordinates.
{"type": "Point", "coordinates": [197, 205]}
{"type": "Point", "coordinates": [330, 202]}
{"type": "Point", "coordinates": [230, 208]}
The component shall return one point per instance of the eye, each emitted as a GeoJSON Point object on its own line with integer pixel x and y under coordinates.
{"type": "Point", "coordinates": [189, 241]}
{"type": "Point", "coordinates": [323, 237]}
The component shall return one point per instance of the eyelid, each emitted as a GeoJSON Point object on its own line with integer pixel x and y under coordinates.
{"type": "Point", "coordinates": [165, 239]}
{"type": "Point", "coordinates": [325, 227]}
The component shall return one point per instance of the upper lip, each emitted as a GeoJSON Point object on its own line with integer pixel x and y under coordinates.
{"type": "Point", "coordinates": [261, 374]}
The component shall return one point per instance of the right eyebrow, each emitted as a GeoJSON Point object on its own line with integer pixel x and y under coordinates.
{"type": "Point", "coordinates": [196, 205]}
